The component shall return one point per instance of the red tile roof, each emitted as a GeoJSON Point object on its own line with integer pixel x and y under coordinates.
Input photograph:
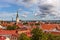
{"type": "Point", "coordinates": [2, 38]}
{"type": "Point", "coordinates": [49, 26]}
{"type": "Point", "coordinates": [27, 32]}
{"type": "Point", "coordinates": [8, 32]}
{"type": "Point", "coordinates": [20, 25]}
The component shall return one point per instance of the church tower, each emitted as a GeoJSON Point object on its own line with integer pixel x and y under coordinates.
{"type": "Point", "coordinates": [17, 18]}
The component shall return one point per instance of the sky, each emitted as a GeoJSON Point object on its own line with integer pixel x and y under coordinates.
{"type": "Point", "coordinates": [30, 9]}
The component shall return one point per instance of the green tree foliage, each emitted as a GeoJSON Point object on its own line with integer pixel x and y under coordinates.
{"type": "Point", "coordinates": [11, 27]}
{"type": "Point", "coordinates": [25, 23]}
{"type": "Point", "coordinates": [37, 34]}
{"type": "Point", "coordinates": [23, 37]}
{"type": "Point", "coordinates": [57, 37]}
{"type": "Point", "coordinates": [37, 24]}
{"type": "Point", "coordinates": [53, 37]}
{"type": "Point", "coordinates": [50, 36]}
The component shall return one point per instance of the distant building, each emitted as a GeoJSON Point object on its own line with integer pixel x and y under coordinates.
{"type": "Point", "coordinates": [17, 18]}
{"type": "Point", "coordinates": [1, 27]}
{"type": "Point", "coordinates": [8, 35]}
{"type": "Point", "coordinates": [51, 28]}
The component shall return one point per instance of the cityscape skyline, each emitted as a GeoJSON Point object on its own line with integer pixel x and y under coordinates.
{"type": "Point", "coordinates": [30, 9]}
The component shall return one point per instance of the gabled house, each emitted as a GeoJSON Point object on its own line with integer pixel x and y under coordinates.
{"type": "Point", "coordinates": [51, 28]}
{"type": "Point", "coordinates": [8, 34]}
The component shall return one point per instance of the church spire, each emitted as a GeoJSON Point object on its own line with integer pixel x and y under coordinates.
{"type": "Point", "coordinates": [17, 15]}
{"type": "Point", "coordinates": [17, 18]}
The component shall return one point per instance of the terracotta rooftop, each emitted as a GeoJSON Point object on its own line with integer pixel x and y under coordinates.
{"type": "Point", "coordinates": [50, 26]}
{"type": "Point", "coordinates": [8, 32]}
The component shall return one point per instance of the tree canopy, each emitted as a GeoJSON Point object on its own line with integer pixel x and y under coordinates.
{"type": "Point", "coordinates": [23, 37]}
{"type": "Point", "coordinates": [14, 27]}
{"type": "Point", "coordinates": [37, 34]}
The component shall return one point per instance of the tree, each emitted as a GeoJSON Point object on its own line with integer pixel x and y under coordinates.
{"type": "Point", "coordinates": [51, 36]}
{"type": "Point", "coordinates": [23, 37]}
{"type": "Point", "coordinates": [37, 24]}
{"type": "Point", "coordinates": [57, 37]}
{"type": "Point", "coordinates": [11, 27]}
{"type": "Point", "coordinates": [37, 34]}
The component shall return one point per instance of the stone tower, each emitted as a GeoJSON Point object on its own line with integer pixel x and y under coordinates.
{"type": "Point", "coordinates": [17, 18]}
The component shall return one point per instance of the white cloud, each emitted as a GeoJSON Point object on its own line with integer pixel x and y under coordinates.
{"type": "Point", "coordinates": [27, 3]}
{"type": "Point", "coordinates": [36, 14]}
{"type": "Point", "coordinates": [25, 14]}
{"type": "Point", "coordinates": [44, 6]}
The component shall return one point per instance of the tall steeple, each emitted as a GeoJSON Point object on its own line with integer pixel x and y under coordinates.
{"type": "Point", "coordinates": [17, 18]}
{"type": "Point", "coordinates": [17, 14]}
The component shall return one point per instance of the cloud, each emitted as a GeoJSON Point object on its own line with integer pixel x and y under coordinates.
{"type": "Point", "coordinates": [47, 8]}
{"type": "Point", "coordinates": [25, 14]}
{"type": "Point", "coordinates": [21, 2]}
{"type": "Point", "coordinates": [50, 8]}
{"type": "Point", "coordinates": [31, 1]}
{"type": "Point", "coordinates": [44, 8]}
